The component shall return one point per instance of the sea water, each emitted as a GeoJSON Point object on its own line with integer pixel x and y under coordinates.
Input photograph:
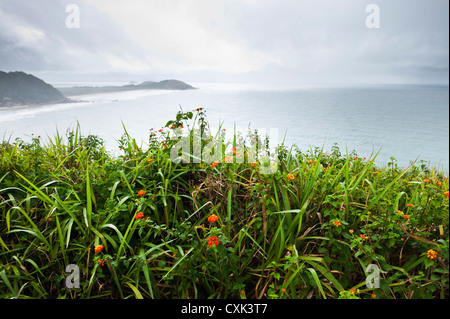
{"type": "Point", "coordinates": [407, 122]}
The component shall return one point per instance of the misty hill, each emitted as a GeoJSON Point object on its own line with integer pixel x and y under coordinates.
{"type": "Point", "coordinates": [19, 88]}
{"type": "Point", "coordinates": [147, 85]}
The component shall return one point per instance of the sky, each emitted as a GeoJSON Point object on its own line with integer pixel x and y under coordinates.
{"type": "Point", "coordinates": [273, 42]}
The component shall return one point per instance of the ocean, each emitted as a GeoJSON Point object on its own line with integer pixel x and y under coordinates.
{"type": "Point", "coordinates": [407, 122]}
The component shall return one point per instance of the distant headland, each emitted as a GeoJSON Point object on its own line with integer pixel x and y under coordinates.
{"type": "Point", "coordinates": [19, 88]}
{"type": "Point", "coordinates": [147, 85]}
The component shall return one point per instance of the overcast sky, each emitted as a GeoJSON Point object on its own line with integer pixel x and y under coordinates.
{"type": "Point", "coordinates": [271, 41]}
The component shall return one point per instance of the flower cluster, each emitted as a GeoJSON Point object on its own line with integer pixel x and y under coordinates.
{"type": "Point", "coordinates": [139, 215]}
{"type": "Point", "coordinates": [403, 214]}
{"type": "Point", "coordinates": [101, 262]}
{"type": "Point", "coordinates": [98, 248]}
{"type": "Point", "coordinates": [141, 193]}
{"type": "Point", "coordinates": [213, 241]}
{"type": "Point", "coordinates": [213, 218]}
{"type": "Point", "coordinates": [431, 254]}
{"type": "Point", "coordinates": [337, 223]}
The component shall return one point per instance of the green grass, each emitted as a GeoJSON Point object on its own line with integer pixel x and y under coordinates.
{"type": "Point", "coordinates": [279, 237]}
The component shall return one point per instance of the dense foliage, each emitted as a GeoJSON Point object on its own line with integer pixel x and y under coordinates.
{"type": "Point", "coordinates": [138, 225]}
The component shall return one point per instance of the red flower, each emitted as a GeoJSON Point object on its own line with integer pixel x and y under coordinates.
{"type": "Point", "coordinates": [98, 248]}
{"type": "Point", "coordinates": [141, 193]}
{"type": "Point", "coordinates": [139, 215]}
{"type": "Point", "coordinates": [213, 241]}
{"type": "Point", "coordinates": [213, 218]}
{"type": "Point", "coordinates": [362, 237]}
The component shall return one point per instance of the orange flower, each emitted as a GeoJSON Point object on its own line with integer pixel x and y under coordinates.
{"type": "Point", "coordinates": [98, 248]}
{"type": "Point", "coordinates": [150, 160]}
{"type": "Point", "coordinates": [141, 193]}
{"type": "Point", "coordinates": [214, 164]}
{"type": "Point", "coordinates": [283, 289]}
{"type": "Point", "coordinates": [351, 231]}
{"type": "Point", "coordinates": [139, 215]}
{"type": "Point", "coordinates": [405, 216]}
{"type": "Point", "coordinates": [235, 153]}
{"type": "Point", "coordinates": [337, 223]}
{"type": "Point", "coordinates": [431, 254]}
{"type": "Point", "coordinates": [426, 180]}
{"type": "Point", "coordinates": [254, 164]}
{"type": "Point", "coordinates": [410, 205]}
{"type": "Point", "coordinates": [376, 172]}
{"type": "Point", "coordinates": [446, 193]}
{"type": "Point", "coordinates": [290, 176]}
{"type": "Point", "coordinates": [181, 126]}
{"type": "Point", "coordinates": [374, 296]}
{"type": "Point", "coordinates": [245, 185]}
{"type": "Point", "coordinates": [213, 241]}
{"type": "Point", "coordinates": [352, 291]}
{"type": "Point", "coordinates": [100, 262]}
{"type": "Point", "coordinates": [172, 127]}
{"type": "Point", "coordinates": [213, 218]}
{"type": "Point", "coordinates": [198, 109]}
{"type": "Point", "coordinates": [438, 183]}
{"type": "Point", "coordinates": [362, 237]}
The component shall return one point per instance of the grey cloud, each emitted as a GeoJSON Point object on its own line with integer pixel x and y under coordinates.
{"type": "Point", "coordinates": [323, 40]}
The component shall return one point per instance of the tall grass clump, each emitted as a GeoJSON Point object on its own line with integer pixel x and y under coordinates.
{"type": "Point", "coordinates": [141, 225]}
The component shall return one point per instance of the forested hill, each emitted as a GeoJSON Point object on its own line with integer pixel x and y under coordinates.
{"type": "Point", "coordinates": [19, 88]}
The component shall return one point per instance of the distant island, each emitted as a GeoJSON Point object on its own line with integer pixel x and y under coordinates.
{"type": "Point", "coordinates": [147, 85]}
{"type": "Point", "coordinates": [19, 88]}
